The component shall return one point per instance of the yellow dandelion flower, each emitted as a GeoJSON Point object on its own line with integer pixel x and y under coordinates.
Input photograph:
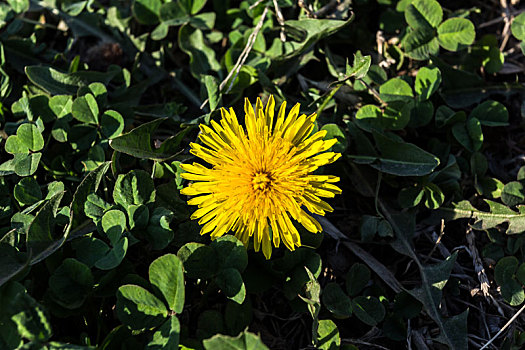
{"type": "Point", "coordinates": [261, 179]}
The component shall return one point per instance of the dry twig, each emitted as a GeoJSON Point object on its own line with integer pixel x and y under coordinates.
{"type": "Point", "coordinates": [280, 19]}
{"type": "Point", "coordinates": [504, 327]}
{"type": "Point", "coordinates": [244, 54]}
{"type": "Point", "coordinates": [478, 264]}
{"type": "Point", "coordinates": [508, 20]}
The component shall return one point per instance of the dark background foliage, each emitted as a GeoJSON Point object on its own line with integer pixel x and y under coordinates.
{"type": "Point", "coordinates": [99, 101]}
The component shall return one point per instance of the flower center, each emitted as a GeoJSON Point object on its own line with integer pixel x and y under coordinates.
{"type": "Point", "coordinates": [261, 181]}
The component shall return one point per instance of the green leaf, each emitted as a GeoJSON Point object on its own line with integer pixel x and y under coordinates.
{"type": "Point", "coordinates": [12, 262]}
{"type": "Point", "coordinates": [513, 193]}
{"type": "Point", "coordinates": [193, 6]}
{"type": "Point", "coordinates": [357, 278]}
{"type": "Point", "coordinates": [520, 274]}
{"type": "Point", "coordinates": [53, 81]}
{"type": "Point", "coordinates": [166, 273]}
{"type": "Point", "coordinates": [200, 261]}
{"type": "Point", "coordinates": [308, 31]}
{"type": "Point", "coordinates": [420, 113]}
{"type": "Point", "coordinates": [518, 27]}
{"type": "Point", "coordinates": [82, 137]}
{"type": "Point", "coordinates": [26, 164]}
{"type": "Point", "coordinates": [307, 264]}
{"type": "Point", "coordinates": [161, 31]}
{"type": "Point", "coordinates": [478, 164]}
{"type": "Point", "coordinates": [384, 229]}
{"type": "Point", "coordinates": [90, 250]}
{"type": "Point", "coordinates": [27, 138]}
{"type": "Point", "coordinates": [426, 14]}
{"type": "Point", "coordinates": [397, 115]}
{"type": "Point", "coordinates": [238, 316]}
{"type": "Point", "coordinates": [85, 109]}
{"type": "Point", "coordinates": [136, 187]}
{"type": "Point", "coordinates": [368, 227]}
{"type": "Point", "coordinates": [20, 223]}
{"type": "Point", "coordinates": [19, 6]}
{"type": "Point", "coordinates": [360, 66]}
{"type": "Point", "coordinates": [61, 105]}
{"type": "Point", "coordinates": [401, 158]}
{"type": "Point", "coordinates": [7, 168]}
{"type": "Point", "coordinates": [396, 89]}
{"type": "Point", "coordinates": [10, 337]}
{"type": "Point", "coordinates": [27, 191]}
{"type": "Point", "coordinates": [73, 7]}
{"type": "Point", "coordinates": [504, 274]}
{"type": "Point", "coordinates": [137, 142]}
{"type": "Point", "coordinates": [202, 57]}
{"type": "Point", "coordinates": [112, 124]}
{"type": "Point", "coordinates": [159, 233]}
{"type": "Point", "coordinates": [328, 335]}
{"type": "Point", "coordinates": [138, 219]}
{"type": "Point", "coordinates": [174, 13]}
{"type": "Point", "coordinates": [166, 336]}
{"type": "Point", "coordinates": [30, 318]}
{"type": "Point", "coordinates": [95, 158]}
{"type": "Point", "coordinates": [88, 186]}
{"type": "Point", "coordinates": [457, 331]}
{"type": "Point", "coordinates": [244, 341]}
{"type": "Point", "coordinates": [369, 117]}
{"type": "Point", "coordinates": [94, 207]}
{"type": "Point", "coordinates": [139, 309]}
{"type": "Point", "coordinates": [312, 292]}
{"type": "Point", "coordinates": [491, 113]}
{"type": "Point", "coordinates": [336, 301]}
{"type": "Point", "coordinates": [60, 130]}
{"type": "Point", "coordinates": [433, 280]}
{"type": "Point", "coordinates": [146, 11]}
{"type": "Point", "coordinates": [41, 241]}
{"type": "Point", "coordinates": [411, 196]}
{"type": "Point", "coordinates": [15, 145]}
{"type": "Point", "coordinates": [334, 131]}
{"type": "Point", "coordinates": [446, 116]}
{"type": "Point", "coordinates": [230, 252]}
{"type": "Point", "coordinates": [114, 257]}
{"type": "Point", "coordinates": [434, 197]}
{"type": "Point", "coordinates": [490, 187]}
{"type": "Point", "coordinates": [212, 90]}
{"type": "Point", "coordinates": [368, 309]}
{"type": "Point", "coordinates": [475, 133]}
{"type": "Point", "coordinates": [230, 282]}
{"type": "Point", "coordinates": [498, 214]}
{"type": "Point", "coordinates": [71, 283]}
{"type": "Point", "coordinates": [427, 82]}
{"type": "Point", "coordinates": [209, 323]}
{"type": "Point", "coordinates": [113, 224]}
{"type": "Point", "coordinates": [469, 135]}
{"type": "Point", "coordinates": [456, 33]}
{"type": "Point", "coordinates": [420, 44]}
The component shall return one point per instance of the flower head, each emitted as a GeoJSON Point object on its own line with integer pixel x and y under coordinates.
{"type": "Point", "coordinates": [262, 179]}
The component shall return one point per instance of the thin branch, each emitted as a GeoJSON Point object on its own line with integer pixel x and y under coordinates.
{"type": "Point", "coordinates": [374, 93]}
{"type": "Point", "coordinates": [307, 8]}
{"type": "Point", "coordinates": [244, 54]}
{"type": "Point", "coordinates": [504, 327]}
{"type": "Point", "coordinates": [255, 4]}
{"type": "Point", "coordinates": [508, 20]}
{"type": "Point", "coordinates": [326, 8]}
{"type": "Point", "coordinates": [280, 19]}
